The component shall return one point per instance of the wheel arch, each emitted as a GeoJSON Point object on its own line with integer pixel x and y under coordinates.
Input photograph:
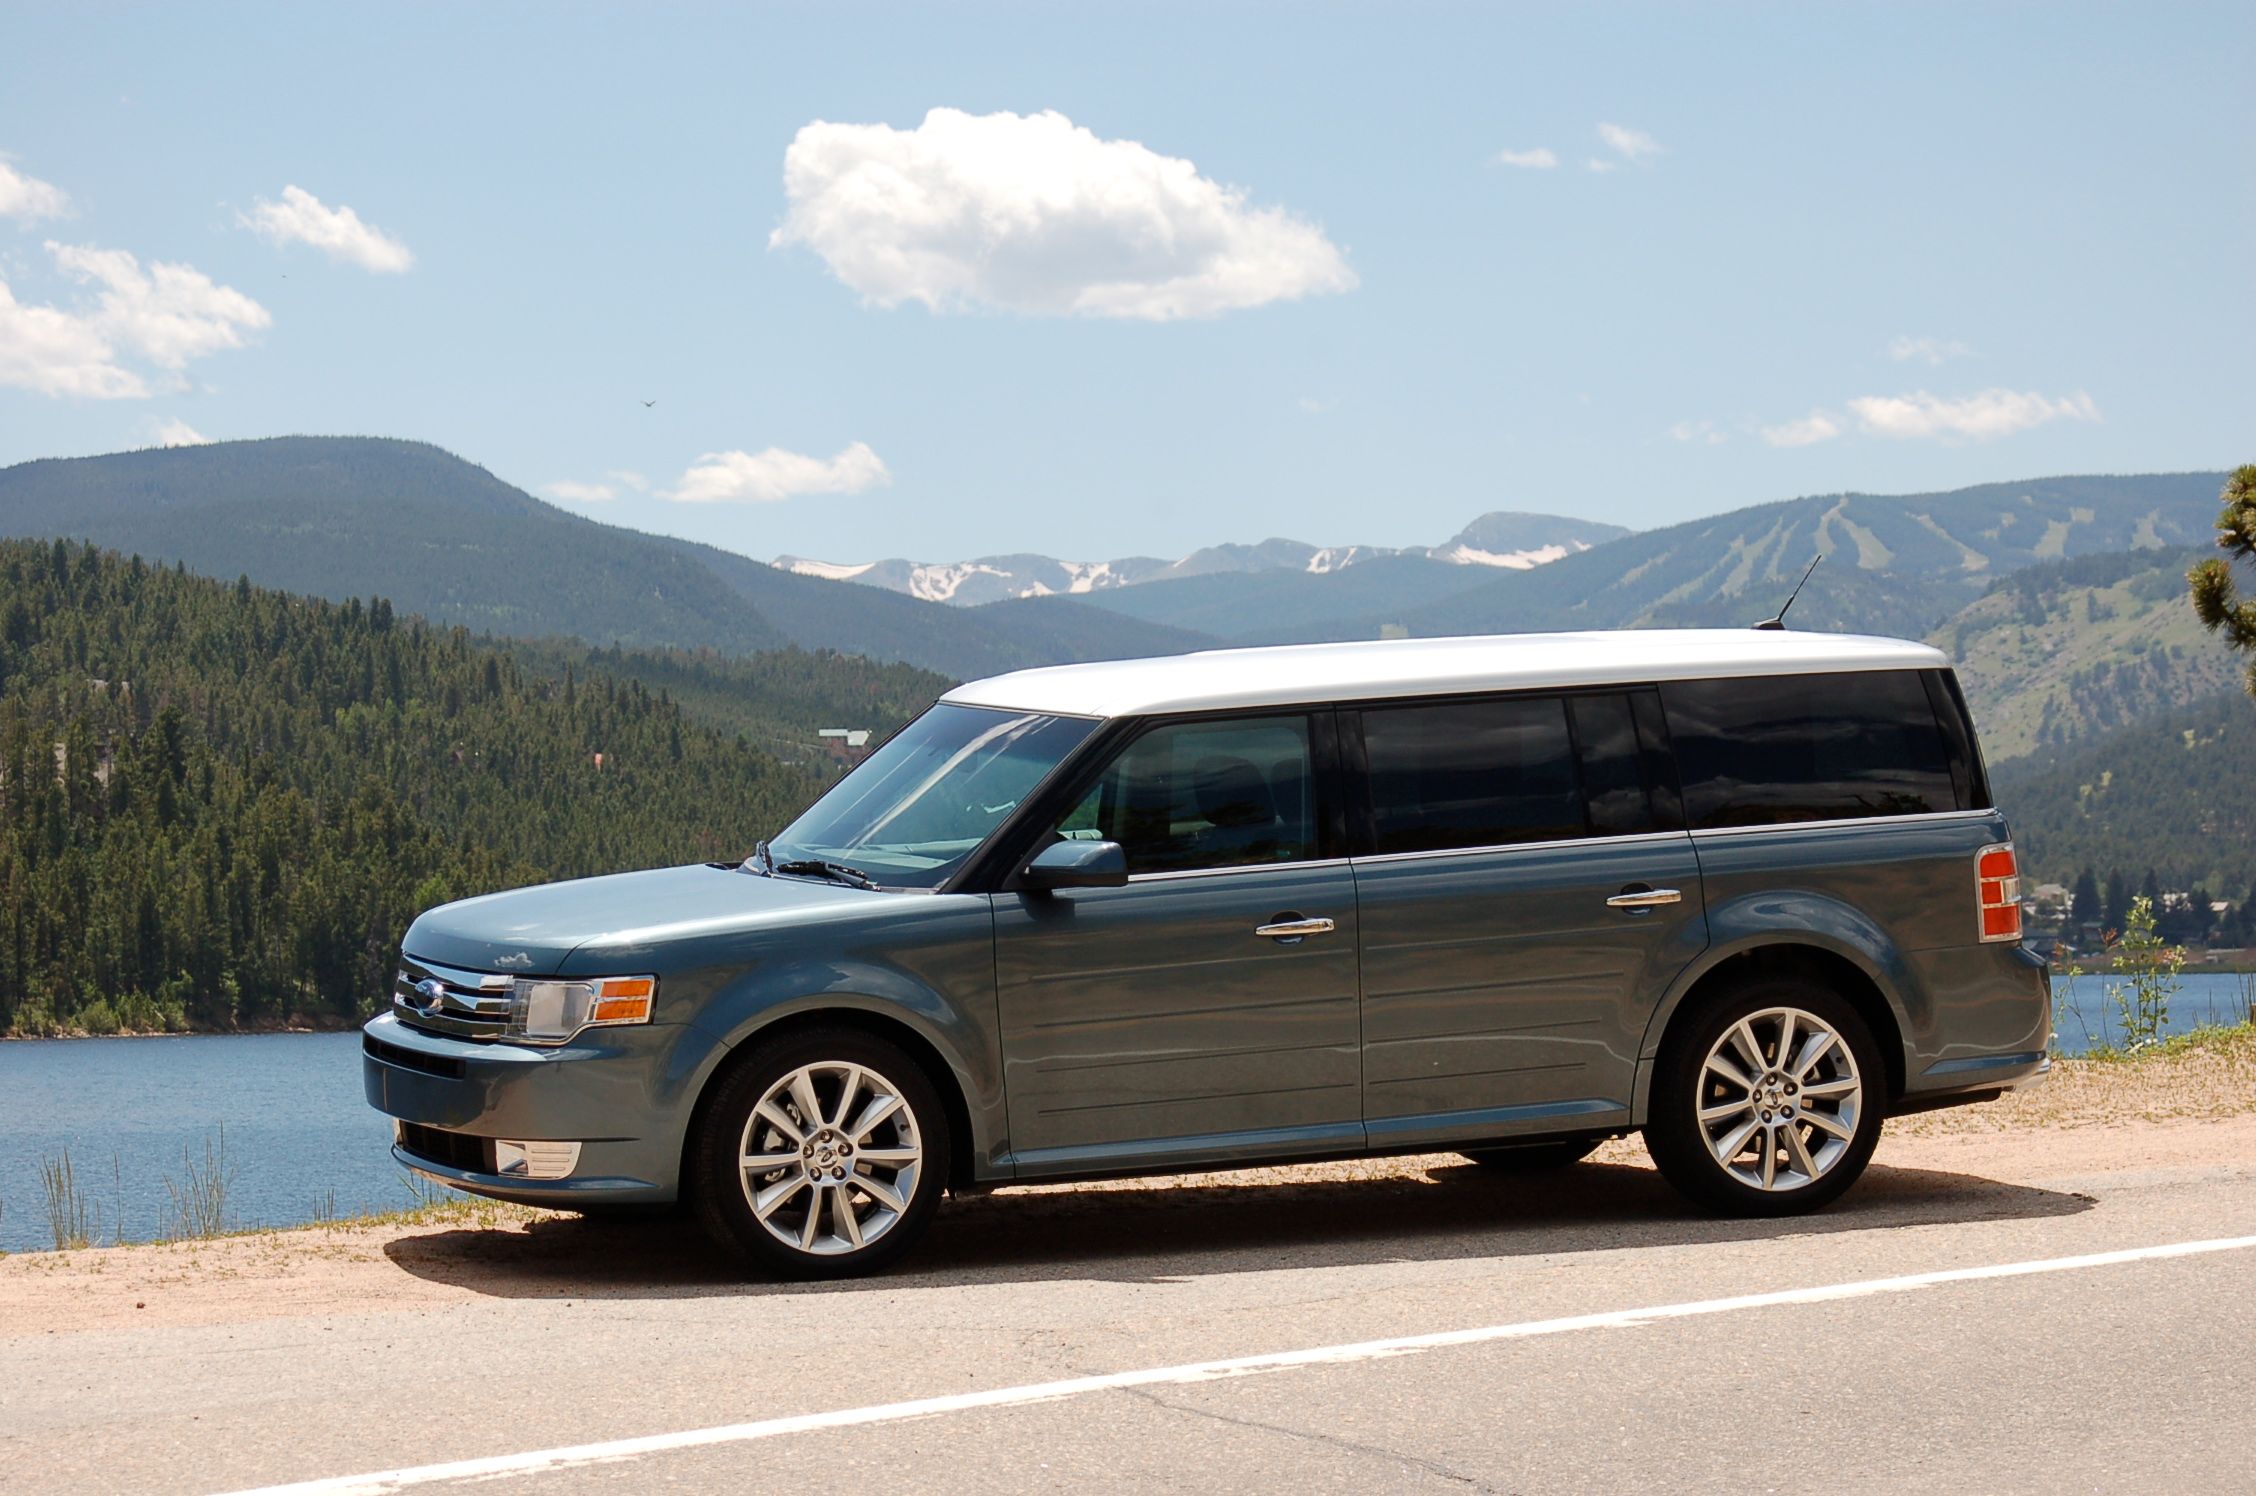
{"type": "Point", "coordinates": [1849, 973]}
{"type": "Point", "coordinates": [834, 1010]}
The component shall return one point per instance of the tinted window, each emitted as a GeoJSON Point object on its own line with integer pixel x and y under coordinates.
{"type": "Point", "coordinates": [1471, 774]}
{"type": "Point", "coordinates": [1613, 780]}
{"type": "Point", "coordinates": [1807, 748]}
{"type": "Point", "coordinates": [1206, 795]}
{"type": "Point", "coordinates": [1967, 778]}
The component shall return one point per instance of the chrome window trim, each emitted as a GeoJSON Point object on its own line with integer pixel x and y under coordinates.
{"type": "Point", "coordinates": [1180, 874]}
{"type": "Point", "coordinates": [1627, 839]}
{"type": "Point", "coordinates": [1838, 823]}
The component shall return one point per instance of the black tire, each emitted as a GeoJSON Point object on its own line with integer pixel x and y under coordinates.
{"type": "Point", "coordinates": [1681, 1144]}
{"type": "Point", "coordinates": [719, 1188]}
{"type": "Point", "coordinates": [1534, 1158]}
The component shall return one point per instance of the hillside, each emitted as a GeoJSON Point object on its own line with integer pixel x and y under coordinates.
{"type": "Point", "coordinates": [2176, 794]}
{"type": "Point", "coordinates": [1278, 606]}
{"type": "Point", "coordinates": [779, 699]}
{"type": "Point", "coordinates": [342, 517]}
{"type": "Point", "coordinates": [222, 804]}
{"type": "Point", "coordinates": [2069, 650]}
{"type": "Point", "coordinates": [1897, 565]}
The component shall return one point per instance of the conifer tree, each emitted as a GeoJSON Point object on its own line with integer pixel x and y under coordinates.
{"type": "Point", "coordinates": [2085, 908]}
{"type": "Point", "coordinates": [2215, 598]}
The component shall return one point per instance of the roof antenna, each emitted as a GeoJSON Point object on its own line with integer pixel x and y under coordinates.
{"type": "Point", "coordinates": [1779, 622]}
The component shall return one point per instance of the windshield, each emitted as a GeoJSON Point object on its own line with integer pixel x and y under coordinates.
{"type": "Point", "coordinates": [910, 813]}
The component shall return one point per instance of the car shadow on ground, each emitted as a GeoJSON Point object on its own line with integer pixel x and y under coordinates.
{"type": "Point", "coordinates": [1158, 1229]}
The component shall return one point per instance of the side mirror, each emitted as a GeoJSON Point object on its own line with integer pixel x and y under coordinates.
{"type": "Point", "coordinates": [1076, 864]}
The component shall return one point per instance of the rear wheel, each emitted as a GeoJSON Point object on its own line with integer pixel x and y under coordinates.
{"type": "Point", "coordinates": [822, 1155]}
{"type": "Point", "coordinates": [1534, 1158]}
{"type": "Point", "coordinates": [1769, 1103]}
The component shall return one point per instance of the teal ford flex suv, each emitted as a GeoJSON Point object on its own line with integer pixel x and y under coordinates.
{"type": "Point", "coordinates": [1743, 891]}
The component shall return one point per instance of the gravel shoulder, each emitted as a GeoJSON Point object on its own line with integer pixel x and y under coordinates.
{"type": "Point", "coordinates": [2192, 1108]}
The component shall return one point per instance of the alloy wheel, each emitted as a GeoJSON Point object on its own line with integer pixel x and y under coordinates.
{"type": "Point", "coordinates": [1779, 1099]}
{"type": "Point", "coordinates": [830, 1157]}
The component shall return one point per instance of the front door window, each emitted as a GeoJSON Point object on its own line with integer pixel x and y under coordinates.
{"type": "Point", "coordinates": [1199, 795]}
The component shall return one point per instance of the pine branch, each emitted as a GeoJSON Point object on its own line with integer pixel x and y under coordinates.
{"type": "Point", "coordinates": [2216, 600]}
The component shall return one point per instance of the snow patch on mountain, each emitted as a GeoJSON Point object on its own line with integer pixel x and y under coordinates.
{"type": "Point", "coordinates": [1505, 539]}
{"type": "Point", "coordinates": [1473, 555]}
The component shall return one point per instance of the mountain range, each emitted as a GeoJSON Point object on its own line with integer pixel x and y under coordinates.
{"type": "Point", "coordinates": [1894, 564]}
{"type": "Point", "coordinates": [2060, 596]}
{"type": "Point", "coordinates": [342, 517]}
{"type": "Point", "coordinates": [2062, 599]}
{"type": "Point", "coordinates": [1506, 539]}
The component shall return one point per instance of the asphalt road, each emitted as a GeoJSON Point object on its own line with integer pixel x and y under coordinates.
{"type": "Point", "coordinates": [2120, 1375]}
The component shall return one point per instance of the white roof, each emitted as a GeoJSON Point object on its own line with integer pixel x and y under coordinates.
{"type": "Point", "coordinates": [1282, 675]}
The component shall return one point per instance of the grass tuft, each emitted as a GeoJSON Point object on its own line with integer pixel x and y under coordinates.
{"type": "Point", "coordinates": [199, 1202]}
{"type": "Point", "coordinates": [69, 1213]}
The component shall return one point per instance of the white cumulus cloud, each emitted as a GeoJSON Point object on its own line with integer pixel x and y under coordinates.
{"type": "Point", "coordinates": [581, 493]}
{"type": "Point", "coordinates": [1703, 432]}
{"type": "Point", "coordinates": [1632, 145]}
{"type": "Point", "coordinates": [54, 352]}
{"type": "Point", "coordinates": [1975, 417]}
{"type": "Point", "coordinates": [160, 314]}
{"type": "Point", "coordinates": [178, 433]}
{"type": "Point", "coordinates": [1928, 350]}
{"type": "Point", "coordinates": [339, 232]}
{"type": "Point", "coordinates": [168, 314]}
{"type": "Point", "coordinates": [1808, 431]}
{"type": "Point", "coordinates": [765, 477]}
{"type": "Point", "coordinates": [27, 197]}
{"type": "Point", "coordinates": [1037, 215]}
{"type": "Point", "coordinates": [1541, 158]}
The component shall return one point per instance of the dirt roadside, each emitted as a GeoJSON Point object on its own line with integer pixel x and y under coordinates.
{"type": "Point", "coordinates": [2186, 1110]}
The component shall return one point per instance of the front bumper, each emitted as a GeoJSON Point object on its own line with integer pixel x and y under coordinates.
{"type": "Point", "coordinates": [610, 1092]}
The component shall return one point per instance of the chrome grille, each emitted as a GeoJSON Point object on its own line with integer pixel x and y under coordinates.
{"type": "Point", "coordinates": [443, 1000]}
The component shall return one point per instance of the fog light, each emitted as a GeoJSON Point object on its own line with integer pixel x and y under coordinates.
{"type": "Point", "coordinates": [535, 1160]}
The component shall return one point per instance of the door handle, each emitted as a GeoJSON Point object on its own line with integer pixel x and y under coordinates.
{"type": "Point", "coordinates": [1644, 898]}
{"type": "Point", "coordinates": [1295, 929]}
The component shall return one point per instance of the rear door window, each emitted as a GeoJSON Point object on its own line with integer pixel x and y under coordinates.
{"type": "Point", "coordinates": [1765, 750]}
{"type": "Point", "coordinates": [1613, 770]}
{"type": "Point", "coordinates": [1471, 774]}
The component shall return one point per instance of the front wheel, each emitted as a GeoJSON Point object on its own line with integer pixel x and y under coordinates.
{"type": "Point", "coordinates": [1769, 1104]}
{"type": "Point", "coordinates": [822, 1155]}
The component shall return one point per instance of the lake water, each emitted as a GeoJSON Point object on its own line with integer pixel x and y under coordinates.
{"type": "Point", "coordinates": [296, 1128]}
{"type": "Point", "coordinates": [301, 1142]}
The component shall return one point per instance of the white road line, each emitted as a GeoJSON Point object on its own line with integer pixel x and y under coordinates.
{"type": "Point", "coordinates": [542, 1461]}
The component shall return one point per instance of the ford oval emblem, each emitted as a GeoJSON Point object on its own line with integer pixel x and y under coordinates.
{"type": "Point", "coordinates": [432, 991]}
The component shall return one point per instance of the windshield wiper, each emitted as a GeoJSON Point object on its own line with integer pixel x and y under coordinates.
{"type": "Point", "coordinates": [816, 867]}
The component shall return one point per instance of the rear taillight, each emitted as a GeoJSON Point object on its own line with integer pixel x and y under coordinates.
{"type": "Point", "coordinates": [1997, 898]}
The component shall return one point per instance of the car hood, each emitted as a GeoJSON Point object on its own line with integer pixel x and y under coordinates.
{"type": "Point", "coordinates": [535, 930]}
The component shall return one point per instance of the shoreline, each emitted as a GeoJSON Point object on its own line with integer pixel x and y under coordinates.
{"type": "Point", "coordinates": [2197, 1079]}
{"type": "Point", "coordinates": [226, 1033]}
{"type": "Point", "coordinates": [463, 1253]}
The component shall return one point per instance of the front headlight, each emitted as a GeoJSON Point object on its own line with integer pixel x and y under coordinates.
{"type": "Point", "coordinates": [550, 1010]}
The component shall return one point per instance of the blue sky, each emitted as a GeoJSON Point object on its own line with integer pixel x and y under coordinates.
{"type": "Point", "coordinates": [1890, 248]}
